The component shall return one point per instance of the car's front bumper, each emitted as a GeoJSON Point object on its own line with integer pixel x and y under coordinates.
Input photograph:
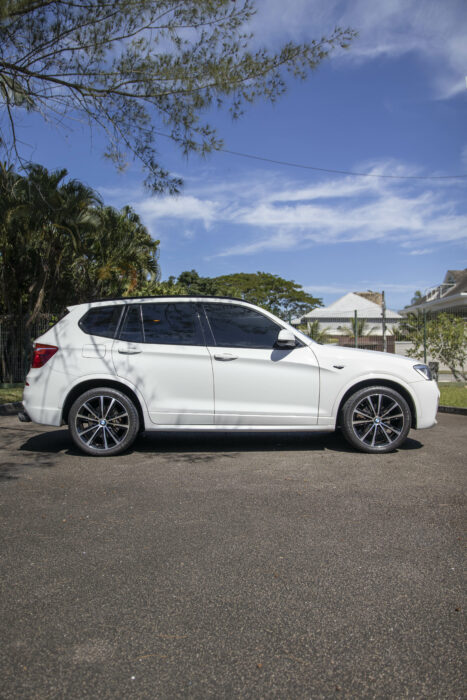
{"type": "Point", "coordinates": [427, 395]}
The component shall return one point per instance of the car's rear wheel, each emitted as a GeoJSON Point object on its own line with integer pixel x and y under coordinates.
{"type": "Point", "coordinates": [103, 422]}
{"type": "Point", "coordinates": [376, 419]}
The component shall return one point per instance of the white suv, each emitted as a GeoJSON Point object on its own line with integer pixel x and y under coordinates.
{"type": "Point", "coordinates": [111, 369]}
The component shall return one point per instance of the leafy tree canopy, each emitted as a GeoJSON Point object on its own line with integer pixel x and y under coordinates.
{"type": "Point", "coordinates": [446, 341]}
{"type": "Point", "coordinates": [282, 297]}
{"type": "Point", "coordinates": [60, 245]}
{"type": "Point", "coordinates": [131, 68]}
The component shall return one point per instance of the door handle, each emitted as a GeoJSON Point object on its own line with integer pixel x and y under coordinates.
{"type": "Point", "coordinates": [129, 350]}
{"type": "Point", "coordinates": [225, 356]}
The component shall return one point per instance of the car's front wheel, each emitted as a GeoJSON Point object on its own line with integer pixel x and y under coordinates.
{"type": "Point", "coordinates": [103, 422]}
{"type": "Point", "coordinates": [376, 419]}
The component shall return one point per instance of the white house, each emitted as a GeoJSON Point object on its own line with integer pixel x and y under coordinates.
{"type": "Point", "coordinates": [450, 295]}
{"type": "Point", "coordinates": [336, 319]}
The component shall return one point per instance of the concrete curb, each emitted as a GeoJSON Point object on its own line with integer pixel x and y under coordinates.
{"type": "Point", "coordinates": [10, 409]}
{"type": "Point", "coordinates": [452, 409]}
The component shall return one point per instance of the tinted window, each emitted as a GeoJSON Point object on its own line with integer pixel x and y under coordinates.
{"type": "Point", "coordinates": [162, 324]}
{"type": "Point", "coordinates": [101, 320]}
{"type": "Point", "coordinates": [132, 329]}
{"type": "Point", "coordinates": [171, 324]}
{"type": "Point", "coordinates": [240, 327]}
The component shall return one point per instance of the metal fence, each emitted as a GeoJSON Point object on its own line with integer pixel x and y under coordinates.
{"type": "Point", "coordinates": [410, 334]}
{"type": "Point", "coordinates": [405, 335]}
{"type": "Point", "coordinates": [16, 345]}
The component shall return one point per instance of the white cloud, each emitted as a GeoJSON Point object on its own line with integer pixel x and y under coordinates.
{"type": "Point", "coordinates": [434, 30]}
{"type": "Point", "coordinates": [362, 285]}
{"type": "Point", "coordinates": [423, 251]}
{"type": "Point", "coordinates": [185, 207]}
{"type": "Point", "coordinates": [270, 214]}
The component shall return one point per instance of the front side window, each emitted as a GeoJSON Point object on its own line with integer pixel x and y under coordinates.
{"type": "Point", "coordinates": [101, 320]}
{"type": "Point", "coordinates": [240, 327]}
{"type": "Point", "coordinates": [163, 323]}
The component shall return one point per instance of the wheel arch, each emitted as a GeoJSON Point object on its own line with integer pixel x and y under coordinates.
{"type": "Point", "coordinates": [379, 382]}
{"type": "Point", "coordinates": [80, 388]}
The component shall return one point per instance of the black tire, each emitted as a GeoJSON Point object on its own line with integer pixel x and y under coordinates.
{"type": "Point", "coordinates": [376, 419]}
{"type": "Point", "coordinates": [103, 422]}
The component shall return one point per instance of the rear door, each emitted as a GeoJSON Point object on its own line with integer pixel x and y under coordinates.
{"type": "Point", "coordinates": [161, 351]}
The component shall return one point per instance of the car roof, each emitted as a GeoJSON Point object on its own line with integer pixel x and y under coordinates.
{"type": "Point", "coordinates": [182, 297]}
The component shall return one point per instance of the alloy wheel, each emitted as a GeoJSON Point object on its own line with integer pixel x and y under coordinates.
{"type": "Point", "coordinates": [378, 420]}
{"type": "Point", "coordinates": [102, 422]}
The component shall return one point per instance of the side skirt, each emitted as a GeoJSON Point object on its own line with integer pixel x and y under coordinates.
{"type": "Point", "coordinates": [245, 428]}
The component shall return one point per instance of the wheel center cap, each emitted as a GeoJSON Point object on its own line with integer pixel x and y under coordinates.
{"type": "Point", "coordinates": [103, 422]}
{"type": "Point", "coordinates": [377, 420]}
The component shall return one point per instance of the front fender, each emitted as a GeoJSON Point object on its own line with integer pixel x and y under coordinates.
{"type": "Point", "coordinates": [329, 409]}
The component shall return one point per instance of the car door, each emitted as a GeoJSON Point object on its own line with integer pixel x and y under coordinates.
{"type": "Point", "coordinates": [161, 351]}
{"type": "Point", "coordinates": [256, 383]}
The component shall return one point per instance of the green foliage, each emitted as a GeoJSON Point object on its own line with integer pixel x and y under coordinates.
{"type": "Point", "coordinates": [131, 69]}
{"type": "Point", "coordinates": [59, 245]}
{"type": "Point", "coordinates": [153, 288]}
{"type": "Point", "coordinates": [453, 394]}
{"type": "Point", "coordinates": [418, 296]}
{"type": "Point", "coordinates": [357, 327]}
{"type": "Point", "coordinates": [11, 393]}
{"type": "Point", "coordinates": [117, 259]}
{"type": "Point", "coordinates": [314, 331]}
{"type": "Point", "coordinates": [196, 285]}
{"type": "Point", "coordinates": [446, 341]}
{"type": "Point", "coordinates": [282, 297]}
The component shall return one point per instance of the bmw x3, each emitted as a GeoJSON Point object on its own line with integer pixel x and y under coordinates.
{"type": "Point", "coordinates": [111, 369]}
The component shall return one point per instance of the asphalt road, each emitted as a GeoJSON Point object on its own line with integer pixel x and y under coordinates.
{"type": "Point", "coordinates": [232, 566]}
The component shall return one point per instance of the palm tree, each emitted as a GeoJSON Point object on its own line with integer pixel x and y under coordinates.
{"type": "Point", "coordinates": [10, 235]}
{"type": "Point", "coordinates": [313, 330]}
{"type": "Point", "coordinates": [122, 257]}
{"type": "Point", "coordinates": [358, 328]}
{"type": "Point", "coordinates": [60, 215]}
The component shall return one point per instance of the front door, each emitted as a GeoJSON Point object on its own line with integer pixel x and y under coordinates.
{"type": "Point", "coordinates": [161, 351]}
{"type": "Point", "coordinates": [255, 382]}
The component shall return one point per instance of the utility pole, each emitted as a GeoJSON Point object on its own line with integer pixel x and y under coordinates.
{"type": "Point", "coordinates": [383, 310]}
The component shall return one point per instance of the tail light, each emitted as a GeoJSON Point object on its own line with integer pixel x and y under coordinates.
{"type": "Point", "coordinates": [42, 354]}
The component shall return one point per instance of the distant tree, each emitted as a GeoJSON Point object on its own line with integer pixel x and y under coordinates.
{"type": "Point", "coordinates": [446, 341]}
{"type": "Point", "coordinates": [196, 285]}
{"type": "Point", "coordinates": [133, 69]}
{"type": "Point", "coordinates": [313, 330]}
{"type": "Point", "coordinates": [169, 288]}
{"type": "Point", "coordinates": [357, 328]}
{"type": "Point", "coordinates": [285, 298]}
{"type": "Point", "coordinates": [418, 296]}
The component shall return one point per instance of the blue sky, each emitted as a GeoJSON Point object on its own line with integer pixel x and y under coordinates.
{"type": "Point", "coordinates": [394, 104]}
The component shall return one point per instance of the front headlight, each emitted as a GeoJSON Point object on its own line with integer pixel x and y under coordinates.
{"type": "Point", "coordinates": [424, 370]}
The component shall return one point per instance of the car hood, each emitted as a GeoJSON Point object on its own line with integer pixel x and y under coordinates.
{"type": "Point", "coordinates": [371, 360]}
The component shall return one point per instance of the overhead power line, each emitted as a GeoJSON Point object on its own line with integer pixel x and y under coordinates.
{"type": "Point", "coordinates": [343, 172]}
{"type": "Point", "coordinates": [331, 170]}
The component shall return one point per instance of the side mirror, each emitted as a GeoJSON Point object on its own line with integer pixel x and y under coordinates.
{"type": "Point", "coordinates": [285, 339]}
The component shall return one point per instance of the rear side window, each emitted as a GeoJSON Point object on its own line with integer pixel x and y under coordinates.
{"type": "Point", "coordinates": [132, 330]}
{"type": "Point", "coordinates": [163, 324]}
{"type": "Point", "coordinates": [240, 327]}
{"type": "Point", "coordinates": [101, 320]}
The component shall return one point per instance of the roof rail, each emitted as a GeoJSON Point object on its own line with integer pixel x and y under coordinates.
{"type": "Point", "coordinates": [166, 296]}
